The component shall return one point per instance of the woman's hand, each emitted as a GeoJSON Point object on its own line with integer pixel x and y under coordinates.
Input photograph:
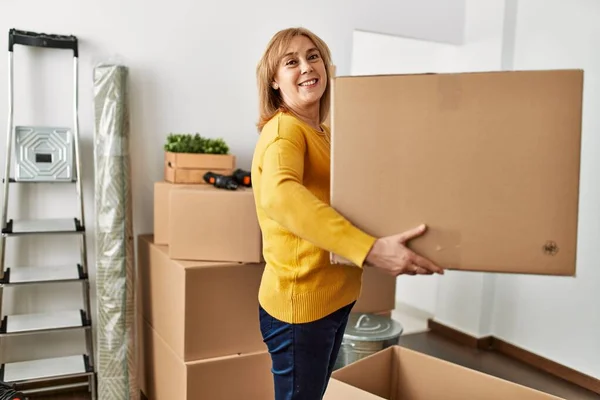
{"type": "Point", "coordinates": [391, 255]}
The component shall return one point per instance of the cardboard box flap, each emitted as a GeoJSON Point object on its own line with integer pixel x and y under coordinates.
{"type": "Point", "coordinates": [372, 375]}
{"type": "Point", "coordinates": [489, 161]}
{"type": "Point", "coordinates": [184, 264]}
{"type": "Point", "coordinates": [232, 377]}
{"type": "Point", "coordinates": [452, 381]}
{"type": "Point", "coordinates": [338, 390]}
{"type": "Point", "coordinates": [398, 373]}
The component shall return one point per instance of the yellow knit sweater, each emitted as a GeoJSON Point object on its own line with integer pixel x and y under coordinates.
{"type": "Point", "coordinates": [290, 178]}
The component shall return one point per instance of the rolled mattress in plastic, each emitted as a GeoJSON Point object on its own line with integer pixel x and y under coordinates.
{"type": "Point", "coordinates": [116, 365]}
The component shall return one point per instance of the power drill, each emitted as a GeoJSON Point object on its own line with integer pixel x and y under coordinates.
{"type": "Point", "coordinates": [221, 181]}
{"type": "Point", "coordinates": [229, 182]}
{"type": "Point", "coordinates": [242, 177]}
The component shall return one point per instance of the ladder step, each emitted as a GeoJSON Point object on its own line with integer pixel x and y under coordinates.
{"type": "Point", "coordinates": [35, 323]}
{"type": "Point", "coordinates": [13, 180]}
{"type": "Point", "coordinates": [43, 226]}
{"type": "Point", "coordinates": [34, 275]}
{"type": "Point", "coordinates": [60, 367]}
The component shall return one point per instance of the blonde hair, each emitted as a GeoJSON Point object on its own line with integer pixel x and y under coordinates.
{"type": "Point", "coordinates": [269, 99]}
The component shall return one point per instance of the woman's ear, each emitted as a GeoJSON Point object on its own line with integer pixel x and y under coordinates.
{"type": "Point", "coordinates": [275, 85]}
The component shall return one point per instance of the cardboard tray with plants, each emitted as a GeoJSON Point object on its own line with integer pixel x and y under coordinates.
{"type": "Point", "coordinates": [188, 157]}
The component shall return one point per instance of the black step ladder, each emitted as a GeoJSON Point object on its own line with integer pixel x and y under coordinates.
{"type": "Point", "coordinates": [48, 155]}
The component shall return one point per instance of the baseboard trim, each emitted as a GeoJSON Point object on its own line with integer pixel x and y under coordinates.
{"type": "Point", "coordinates": [546, 365]}
{"type": "Point", "coordinates": [484, 343]}
{"type": "Point", "coordinates": [492, 343]}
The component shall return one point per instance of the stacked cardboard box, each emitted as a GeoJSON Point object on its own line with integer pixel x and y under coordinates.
{"type": "Point", "coordinates": [199, 275]}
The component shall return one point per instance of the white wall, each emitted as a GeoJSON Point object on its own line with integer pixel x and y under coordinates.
{"type": "Point", "coordinates": [554, 317]}
{"type": "Point", "coordinates": [191, 70]}
{"type": "Point", "coordinates": [559, 317]}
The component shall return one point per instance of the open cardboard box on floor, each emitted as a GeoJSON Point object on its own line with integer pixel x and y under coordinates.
{"type": "Point", "coordinates": [397, 373]}
{"type": "Point", "coordinates": [490, 161]}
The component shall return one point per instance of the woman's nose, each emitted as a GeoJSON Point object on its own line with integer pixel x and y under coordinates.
{"type": "Point", "coordinates": [306, 67]}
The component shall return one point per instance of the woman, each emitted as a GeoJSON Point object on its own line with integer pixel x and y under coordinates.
{"type": "Point", "coordinates": [304, 300]}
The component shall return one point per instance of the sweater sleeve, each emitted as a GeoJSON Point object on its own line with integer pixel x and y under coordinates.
{"type": "Point", "coordinates": [288, 202]}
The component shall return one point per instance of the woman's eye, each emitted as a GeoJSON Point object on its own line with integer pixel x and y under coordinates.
{"type": "Point", "coordinates": [313, 57]}
{"type": "Point", "coordinates": [290, 62]}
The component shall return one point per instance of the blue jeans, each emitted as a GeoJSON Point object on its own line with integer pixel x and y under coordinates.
{"type": "Point", "coordinates": [303, 355]}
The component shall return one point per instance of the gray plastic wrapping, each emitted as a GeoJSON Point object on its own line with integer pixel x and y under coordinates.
{"type": "Point", "coordinates": [115, 281]}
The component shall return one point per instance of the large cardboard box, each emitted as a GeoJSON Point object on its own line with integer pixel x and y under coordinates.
{"type": "Point", "coordinates": [164, 376]}
{"type": "Point", "coordinates": [211, 224]}
{"type": "Point", "coordinates": [490, 161]}
{"type": "Point", "coordinates": [208, 224]}
{"type": "Point", "coordinates": [201, 309]}
{"type": "Point", "coordinates": [397, 373]}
